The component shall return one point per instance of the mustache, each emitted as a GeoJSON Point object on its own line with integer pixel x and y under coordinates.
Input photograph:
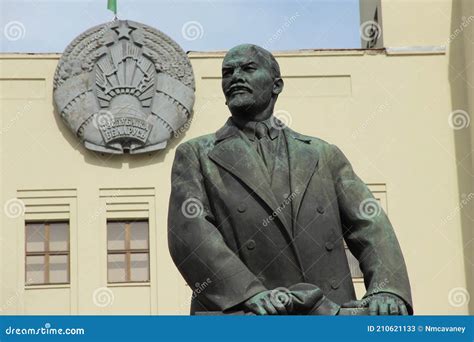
{"type": "Point", "coordinates": [238, 86]}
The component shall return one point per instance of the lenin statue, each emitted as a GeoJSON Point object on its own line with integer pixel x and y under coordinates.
{"type": "Point", "coordinates": [259, 213]}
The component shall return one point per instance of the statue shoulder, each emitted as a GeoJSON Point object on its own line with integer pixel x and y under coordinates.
{"type": "Point", "coordinates": [199, 144]}
{"type": "Point", "coordinates": [314, 141]}
{"type": "Point", "coordinates": [324, 149]}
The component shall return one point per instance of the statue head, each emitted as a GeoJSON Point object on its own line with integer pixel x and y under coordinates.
{"type": "Point", "coordinates": [251, 82]}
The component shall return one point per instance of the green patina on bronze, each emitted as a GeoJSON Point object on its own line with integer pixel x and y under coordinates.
{"type": "Point", "coordinates": [260, 212]}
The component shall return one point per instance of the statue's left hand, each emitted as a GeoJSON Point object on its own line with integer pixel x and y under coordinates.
{"type": "Point", "coordinates": [380, 304]}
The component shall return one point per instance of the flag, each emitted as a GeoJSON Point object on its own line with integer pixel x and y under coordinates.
{"type": "Point", "coordinates": [112, 5]}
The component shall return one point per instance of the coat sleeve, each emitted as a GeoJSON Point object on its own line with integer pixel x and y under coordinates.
{"type": "Point", "coordinates": [369, 233]}
{"type": "Point", "coordinates": [197, 247]}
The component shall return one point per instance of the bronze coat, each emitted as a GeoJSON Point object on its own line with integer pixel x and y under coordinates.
{"type": "Point", "coordinates": [229, 241]}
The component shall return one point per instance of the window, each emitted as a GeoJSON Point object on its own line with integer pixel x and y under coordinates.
{"type": "Point", "coordinates": [128, 251]}
{"type": "Point", "coordinates": [47, 253]}
{"type": "Point", "coordinates": [353, 264]}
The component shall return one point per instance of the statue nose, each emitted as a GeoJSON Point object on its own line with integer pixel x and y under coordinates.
{"type": "Point", "coordinates": [237, 75]}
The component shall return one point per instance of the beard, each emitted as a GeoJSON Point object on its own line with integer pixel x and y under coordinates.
{"type": "Point", "coordinates": [247, 106]}
{"type": "Point", "coordinates": [241, 103]}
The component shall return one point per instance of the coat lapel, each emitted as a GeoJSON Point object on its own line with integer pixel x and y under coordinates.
{"type": "Point", "coordinates": [235, 154]}
{"type": "Point", "coordinates": [303, 159]}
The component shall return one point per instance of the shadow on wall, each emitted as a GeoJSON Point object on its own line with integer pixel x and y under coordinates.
{"type": "Point", "coordinates": [461, 60]}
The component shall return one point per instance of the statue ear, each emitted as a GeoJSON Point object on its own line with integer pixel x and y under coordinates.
{"type": "Point", "coordinates": [277, 86]}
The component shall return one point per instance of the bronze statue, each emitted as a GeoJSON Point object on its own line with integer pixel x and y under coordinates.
{"type": "Point", "coordinates": [260, 212]}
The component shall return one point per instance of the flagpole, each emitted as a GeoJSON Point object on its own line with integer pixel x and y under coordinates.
{"type": "Point", "coordinates": [112, 5]}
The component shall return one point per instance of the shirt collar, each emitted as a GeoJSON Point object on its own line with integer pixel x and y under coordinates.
{"type": "Point", "coordinates": [248, 127]}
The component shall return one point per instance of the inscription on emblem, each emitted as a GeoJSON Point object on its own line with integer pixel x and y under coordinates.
{"type": "Point", "coordinates": [125, 129]}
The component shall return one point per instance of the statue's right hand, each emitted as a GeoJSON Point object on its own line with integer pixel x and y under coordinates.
{"type": "Point", "coordinates": [264, 303]}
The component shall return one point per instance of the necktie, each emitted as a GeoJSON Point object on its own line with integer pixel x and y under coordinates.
{"type": "Point", "coordinates": [264, 145]}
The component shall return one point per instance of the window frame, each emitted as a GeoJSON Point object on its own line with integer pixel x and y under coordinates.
{"type": "Point", "coordinates": [47, 253]}
{"type": "Point", "coordinates": [128, 251]}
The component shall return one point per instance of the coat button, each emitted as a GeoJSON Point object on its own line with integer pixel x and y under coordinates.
{"type": "Point", "coordinates": [334, 284]}
{"type": "Point", "coordinates": [241, 208]}
{"type": "Point", "coordinates": [320, 210]}
{"type": "Point", "coordinates": [251, 244]}
{"type": "Point", "coordinates": [329, 246]}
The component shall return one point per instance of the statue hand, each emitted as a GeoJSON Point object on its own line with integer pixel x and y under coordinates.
{"type": "Point", "coordinates": [265, 303]}
{"type": "Point", "coordinates": [380, 304]}
{"type": "Point", "coordinates": [386, 304]}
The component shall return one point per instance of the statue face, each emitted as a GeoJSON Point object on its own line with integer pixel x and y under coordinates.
{"type": "Point", "coordinates": [247, 82]}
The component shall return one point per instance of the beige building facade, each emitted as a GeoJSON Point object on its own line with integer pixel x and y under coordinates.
{"type": "Point", "coordinates": [401, 114]}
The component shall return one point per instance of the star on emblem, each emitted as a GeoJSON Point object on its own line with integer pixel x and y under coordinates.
{"type": "Point", "coordinates": [123, 31]}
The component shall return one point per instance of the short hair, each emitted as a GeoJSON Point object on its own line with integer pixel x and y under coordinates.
{"type": "Point", "coordinates": [267, 56]}
{"type": "Point", "coordinates": [270, 59]}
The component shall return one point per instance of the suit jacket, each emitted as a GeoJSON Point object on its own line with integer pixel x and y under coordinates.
{"type": "Point", "coordinates": [226, 229]}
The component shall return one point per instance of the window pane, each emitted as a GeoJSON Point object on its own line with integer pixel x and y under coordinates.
{"type": "Point", "coordinates": [116, 268]}
{"type": "Point", "coordinates": [35, 236]}
{"type": "Point", "coordinates": [58, 236]}
{"type": "Point", "coordinates": [58, 269]}
{"type": "Point", "coordinates": [115, 235]}
{"type": "Point", "coordinates": [139, 235]}
{"type": "Point", "coordinates": [139, 267]}
{"type": "Point", "coordinates": [35, 270]}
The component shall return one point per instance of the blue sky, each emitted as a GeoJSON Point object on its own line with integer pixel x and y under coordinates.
{"type": "Point", "coordinates": [197, 25]}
